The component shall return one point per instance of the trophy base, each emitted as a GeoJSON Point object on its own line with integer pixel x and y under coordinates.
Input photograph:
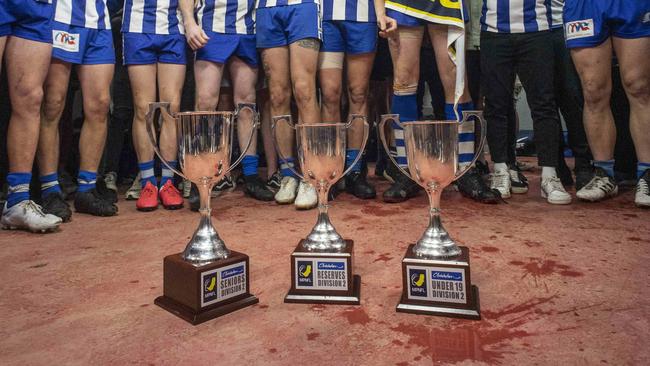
{"type": "Point", "coordinates": [200, 293]}
{"type": "Point", "coordinates": [439, 286]}
{"type": "Point", "coordinates": [323, 278]}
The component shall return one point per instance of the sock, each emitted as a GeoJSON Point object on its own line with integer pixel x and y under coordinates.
{"type": "Point", "coordinates": [465, 133]}
{"type": "Point", "coordinates": [18, 188]}
{"type": "Point", "coordinates": [606, 165]}
{"type": "Point", "coordinates": [86, 180]}
{"type": "Point", "coordinates": [249, 164]}
{"type": "Point", "coordinates": [350, 156]}
{"type": "Point", "coordinates": [50, 184]}
{"type": "Point", "coordinates": [641, 168]}
{"type": "Point", "coordinates": [407, 108]}
{"type": "Point", "coordinates": [548, 172]}
{"type": "Point", "coordinates": [500, 167]}
{"type": "Point", "coordinates": [167, 174]}
{"type": "Point", "coordinates": [285, 167]}
{"type": "Point", "coordinates": [146, 173]}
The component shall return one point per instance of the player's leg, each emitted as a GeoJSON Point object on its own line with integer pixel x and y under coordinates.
{"type": "Point", "coordinates": [56, 90]}
{"type": "Point", "coordinates": [634, 60]}
{"type": "Point", "coordinates": [3, 42]}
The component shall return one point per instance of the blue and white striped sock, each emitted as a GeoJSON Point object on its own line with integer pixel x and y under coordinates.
{"type": "Point", "coordinates": [606, 165]}
{"type": "Point", "coordinates": [147, 173]}
{"type": "Point", "coordinates": [167, 174]}
{"type": "Point", "coordinates": [406, 106]}
{"type": "Point", "coordinates": [86, 180]}
{"type": "Point", "coordinates": [466, 134]}
{"type": "Point", "coordinates": [18, 188]}
{"type": "Point", "coordinates": [50, 184]}
{"type": "Point", "coordinates": [285, 167]}
{"type": "Point", "coordinates": [641, 168]}
{"type": "Point", "coordinates": [350, 157]}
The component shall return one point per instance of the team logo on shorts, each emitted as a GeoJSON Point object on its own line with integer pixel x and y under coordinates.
{"type": "Point", "coordinates": [646, 18]}
{"type": "Point", "coordinates": [579, 29]}
{"type": "Point", "coordinates": [65, 41]}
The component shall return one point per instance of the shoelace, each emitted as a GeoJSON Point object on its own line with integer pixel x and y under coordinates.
{"type": "Point", "coordinates": [554, 184]}
{"type": "Point", "coordinates": [499, 180]}
{"type": "Point", "coordinates": [643, 187]}
{"type": "Point", "coordinates": [33, 206]}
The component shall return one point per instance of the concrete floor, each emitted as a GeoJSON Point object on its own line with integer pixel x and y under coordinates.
{"type": "Point", "coordinates": [558, 285]}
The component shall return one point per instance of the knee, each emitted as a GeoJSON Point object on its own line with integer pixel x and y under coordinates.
{"type": "Point", "coordinates": [52, 108]}
{"type": "Point", "coordinates": [304, 92]}
{"type": "Point", "coordinates": [206, 102]}
{"type": "Point", "coordinates": [358, 96]}
{"type": "Point", "coordinates": [596, 94]}
{"type": "Point", "coordinates": [279, 98]}
{"type": "Point", "coordinates": [140, 109]}
{"type": "Point", "coordinates": [331, 95]}
{"type": "Point", "coordinates": [637, 88]}
{"type": "Point", "coordinates": [98, 108]}
{"type": "Point", "coordinates": [27, 100]}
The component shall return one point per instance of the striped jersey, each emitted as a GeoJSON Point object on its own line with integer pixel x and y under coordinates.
{"type": "Point", "coordinates": [350, 10]}
{"type": "Point", "coordinates": [556, 13]}
{"type": "Point", "coordinates": [227, 16]}
{"type": "Point", "coordinates": [516, 16]}
{"type": "Point", "coordinates": [152, 17]}
{"type": "Point", "coordinates": [83, 13]}
{"type": "Point", "coordinates": [272, 3]}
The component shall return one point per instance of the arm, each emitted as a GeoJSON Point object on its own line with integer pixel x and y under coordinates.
{"type": "Point", "coordinates": [195, 36]}
{"type": "Point", "coordinates": [386, 24]}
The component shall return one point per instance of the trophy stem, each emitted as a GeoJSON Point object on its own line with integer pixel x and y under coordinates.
{"type": "Point", "coordinates": [324, 237]}
{"type": "Point", "coordinates": [205, 245]}
{"type": "Point", "coordinates": [435, 242]}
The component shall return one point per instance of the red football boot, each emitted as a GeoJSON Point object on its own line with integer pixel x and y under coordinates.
{"type": "Point", "coordinates": [170, 197]}
{"type": "Point", "coordinates": [148, 200]}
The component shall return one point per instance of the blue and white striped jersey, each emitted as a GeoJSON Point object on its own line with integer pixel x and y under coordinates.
{"type": "Point", "coordinates": [152, 17]}
{"type": "Point", "coordinates": [272, 3]}
{"type": "Point", "coordinates": [516, 16]}
{"type": "Point", "coordinates": [83, 13]}
{"type": "Point", "coordinates": [350, 10]}
{"type": "Point", "coordinates": [227, 16]}
{"type": "Point", "coordinates": [557, 7]}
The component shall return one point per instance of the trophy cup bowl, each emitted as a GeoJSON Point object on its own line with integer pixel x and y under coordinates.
{"type": "Point", "coordinates": [321, 264]}
{"type": "Point", "coordinates": [321, 154]}
{"type": "Point", "coordinates": [192, 281]}
{"type": "Point", "coordinates": [436, 276]}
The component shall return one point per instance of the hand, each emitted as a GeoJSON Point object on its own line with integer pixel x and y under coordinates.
{"type": "Point", "coordinates": [387, 25]}
{"type": "Point", "coordinates": [195, 36]}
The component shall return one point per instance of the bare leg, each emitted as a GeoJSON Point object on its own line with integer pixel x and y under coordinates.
{"type": "Point", "coordinates": [331, 80]}
{"type": "Point", "coordinates": [405, 53]}
{"type": "Point", "coordinates": [304, 63]}
{"type": "Point", "coordinates": [56, 90]}
{"type": "Point", "coordinates": [358, 72]}
{"type": "Point", "coordinates": [446, 67]}
{"type": "Point", "coordinates": [27, 66]}
{"type": "Point", "coordinates": [276, 67]}
{"type": "Point", "coordinates": [594, 66]}
{"type": "Point", "coordinates": [3, 42]}
{"type": "Point", "coordinates": [170, 87]}
{"type": "Point", "coordinates": [95, 85]}
{"type": "Point", "coordinates": [264, 106]}
{"type": "Point", "coordinates": [634, 59]}
{"type": "Point", "coordinates": [143, 86]}
{"type": "Point", "coordinates": [244, 79]}
{"type": "Point", "coordinates": [208, 84]}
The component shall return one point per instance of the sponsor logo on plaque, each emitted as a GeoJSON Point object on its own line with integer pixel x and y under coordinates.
{"type": "Point", "coordinates": [448, 285]}
{"type": "Point", "coordinates": [223, 283]}
{"type": "Point", "coordinates": [305, 273]}
{"type": "Point", "coordinates": [332, 275]}
{"type": "Point", "coordinates": [418, 285]}
{"type": "Point", "coordinates": [210, 293]}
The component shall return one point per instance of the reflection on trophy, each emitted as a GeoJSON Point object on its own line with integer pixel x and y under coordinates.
{"type": "Point", "coordinates": [207, 280]}
{"type": "Point", "coordinates": [321, 264]}
{"type": "Point", "coordinates": [436, 271]}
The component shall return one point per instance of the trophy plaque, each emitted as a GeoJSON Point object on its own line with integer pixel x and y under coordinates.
{"type": "Point", "coordinates": [207, 280]}
{"type": "Point", "coordinates": [436, 271]}
{"type": "Point", "coordinates": [322, 263]}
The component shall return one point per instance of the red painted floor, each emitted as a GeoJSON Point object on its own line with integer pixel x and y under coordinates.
{"type": "Point", "coordinates": [558, 285]}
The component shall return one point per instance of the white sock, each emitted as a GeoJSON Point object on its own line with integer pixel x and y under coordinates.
{"type": "Point", "coordinates": [548, 172]}
{"type": "Point", "coordinates": [500, 167]}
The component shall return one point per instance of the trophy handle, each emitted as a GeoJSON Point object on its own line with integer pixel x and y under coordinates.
{"type": "Point", "coordinates": [466, 116]}
{"type": "Point", "coordinates": [256, 123]}
{"type": "Point", "coordinates": [289, 121]}
{"type": "Point", "coordinates": [366, 134]}
{"type": "Point", "coordinates": [382, 136]}
{"type": "Point", "coordinates": [149, 119]}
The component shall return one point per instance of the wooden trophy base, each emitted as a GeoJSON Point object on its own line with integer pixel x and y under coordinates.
{"type": "Point", "coordinates": [323, 278]}
{"type": "Point", "coordinates": [200, 293]}
{"type": "Point", "coordinates": [439, 287]}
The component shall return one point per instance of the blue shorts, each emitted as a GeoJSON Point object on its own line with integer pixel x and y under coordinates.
{"type": "Point", "coordinates": [28, 19]}
{"type": "Point", "coordinates": [405, 20]}
{"type": "Point", "coordinates": [283, 25]}
{"type": "Point", "coordinates": [82, 46]}
{"type": "Point", "coordinates": [588, 23]}
{"type": "Point", "coordinates": [147, 49]}
{"type": "Point", "coordinates": [350, 37]}
{"type": "Point", "coordinates": [222, 46]}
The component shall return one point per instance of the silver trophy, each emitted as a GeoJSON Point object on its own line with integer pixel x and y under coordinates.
{"type": "Point", "coordinates": [321, 154]}
{"type": "Point", "coordinates": [204, 155]}
{"type": "Point", "coordinates": [432, 152]}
